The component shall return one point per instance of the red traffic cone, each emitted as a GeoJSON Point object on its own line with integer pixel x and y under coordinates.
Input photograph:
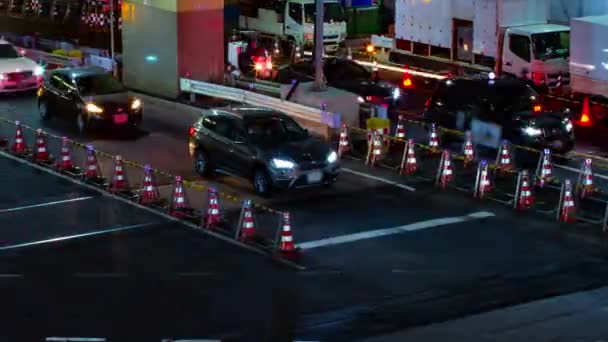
{"type": "Point", "coordinates": [400, 131]}
{"type": "Point", "coordinates": [286, 245]}
{"type": "Point", "coordinates": [119, 180]}
{"type": "Point", "coordinates": [92, 167]}
{"type": "Point", "coordinates": [18, 146]}
{"type": "Point", "coordinates": [585, 179]}
{"type": "Point", "coordinates": [149, 193]}
{"type": "Point", "coordinates": [213, 216]}
{"type": "Point", "coordinates": [468, 149]}
{"type": "Point", "coordinates": [567, 206]}
{"type": "Point", "coordinates": [374, 152]}
{"type": "Point", "coordinates": [65, 161]}
{"type": "Point", "coordinates": [483, 184]}
{"type": "Point", "coordinates": [409, 162]}
{"type": "Point", "coordinates": [446, 173]}
{"type": "Point", "coordinates": [545, 172]}
{"type": "Point", "coordinates": [344, 143]}
{"type": "Point", "coordinates": [247, 222]}
{"type": "Point", "coordinates": [178, 199]}
{"type": "Point", "coordinates": [525, 198]}
{"type": "Point", "coordinates": [503, 160]}
{"type": "Point", "coordinates": [41, 152]}
{"type": "Point", "coordinates": [434, 138]}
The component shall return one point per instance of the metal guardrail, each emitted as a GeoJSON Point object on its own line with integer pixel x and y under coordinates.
{"type": "Point", "coordinates": [254, 99]}
{"type": "Point", "coordinates": [52, 59]}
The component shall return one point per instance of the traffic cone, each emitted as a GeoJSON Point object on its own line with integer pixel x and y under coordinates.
{"type": "Point", "coordinates": [149, 193]}
{"type": "Point", "coordinates": [18, 146]}
{"type": "Point", "coordinates": [445, 174]}
{"type": "Point", "coordinates": [434, 139]}
{"type": "Point", "coordinates": [286, 245]}
{"type": "Point", "coordinates": [178, 198]}
{"type": "Point", "coordinates": [524, 198]}
{"type": "Point", "coordinates": [483, 185]}
{"type": "Point", "coordinates": [409, 162]}
{"type": "Point", "coordinates": [567, 206]}
{"type": "Point", "coordinates": [586, 112]}
{"type": "Point", "coordinates": [41, 152]}
{"type": "Point", "coordinates": [213, 216]}
{"type": "Point", "coordinates": [344, 143]}
{"type": "Point", "coordinates": [503, 160]}
{"type": "Point", "coordinates": [119, 181]}
{"type": "Point", "coordinates": [65, 162]}
{"type": "Point", "coordinates": [544, 171]}
{"type": "Point", "coordinates": [92, 170]}
{"type": "Point", "coordinates": [247, 222]}
{"type": "Point", "coordinates": [400, 131]}
{"type": "Point", "coordinates": [468, 149]}
{"type": "Point", "coordinates": [374, 151]}
{"type": "Point", "coordinates": [585, 179]}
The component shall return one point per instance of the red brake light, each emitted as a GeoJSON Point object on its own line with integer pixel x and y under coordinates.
{"type": "Point", "coordinates": [192, 131]}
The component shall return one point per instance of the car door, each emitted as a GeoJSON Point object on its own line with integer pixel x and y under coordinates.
{"type": "Point", "coordinates": [215, 140]}
{"type": "Point", "coordinates": [55, 90]}
{"type": "Point", "coordinates": [241, 154]}
{"type": "Point", "coordinates": [66, 97]}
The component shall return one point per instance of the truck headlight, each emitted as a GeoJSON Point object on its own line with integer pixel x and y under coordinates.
{"type": "Point", "coordinates": [282, 164]}
{"type": "Point", "coordinates": [332, 157]}
{"type": "Point", "coordinates": [38, 71]}
{"type": "Point", "coordinates": [532, 131]}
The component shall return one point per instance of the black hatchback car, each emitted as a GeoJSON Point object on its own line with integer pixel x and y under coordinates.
{"type": "Point", "coordinates": [90, 97]}
{"type": "Point", "coordinates": [511, 105]}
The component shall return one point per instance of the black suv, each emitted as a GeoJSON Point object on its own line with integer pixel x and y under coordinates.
{"type": "Point", "coordinates": [511, 105]}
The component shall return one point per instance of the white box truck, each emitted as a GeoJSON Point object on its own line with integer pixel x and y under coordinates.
{"type": "Point", "coordinates": [589, 56]}
{"type": "Point", "coordinates": [293, 21]}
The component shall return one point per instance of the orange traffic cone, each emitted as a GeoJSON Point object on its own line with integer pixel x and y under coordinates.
{"type": "Point", "coordinates": [524, 198]}
{"type": "Point", "coordinates": [178, 198]}
{"type": "Point", "coordinates": [247, 222]}
{"type": "Point", "coordinates": [149, 193]}
{"type": "Point", "coordinates": [567, 206]}
{"type": "Point", "coordinates": [119, 180]}
{"type": "Point", "coordinates": [19, 146]}
{"type": "Point", "coordinates": [503, 160]}
{"type": "Point", "coordinates": [374, 151]}
{"type": "Point", "coordinates": [286, 245]}
{"type": "Point", "coordinates": [483, 185]}
{"type": "Point", "coordinates": [344, 143]}
{"type": "Point", "coordinates": [400, 131]}
{"type": "Point", "coordinates": [409, 162]}
{"type": "Point", "coordinates": [586, 112]}
{"type": "Point", "coordinates": [434, 139]}
{"type": "Point", "coordinates": [213, 216]}
{"type": "Point", "coordinates": [92, 170]}
{"type": "Point", "coordinates": [544, 171]}
{"type": "Point", "coordinates": [468, 149]}
{"type": "Point", "coordinates": [585, 179]}
{"type": "Point", "coordinates": [65, 161]}
{"type": "Point", "coordinates": [445, 174]}
{"type": "Point", "coordinates": [41, 152]}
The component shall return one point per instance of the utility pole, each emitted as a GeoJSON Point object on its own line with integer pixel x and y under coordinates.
{"type": "Point", "coordinates": [112, 50]}
{"type": "Point", "coordinates": [319, 48]}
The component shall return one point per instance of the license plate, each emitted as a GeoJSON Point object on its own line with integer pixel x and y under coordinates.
{"type": "Point", "coordinates": [314, 177]}
{"type": "Point", "coordinates": [121, 118]}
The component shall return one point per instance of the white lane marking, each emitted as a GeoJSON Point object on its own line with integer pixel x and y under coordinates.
{"type": "Point", "coordinates": [577, 171]}
{"type": "Point", "coordinates": [11, 275]}
{"type": "Point", "coordinates": [70, 200]}
{"type": "Point", "coordinates": [75, 339]}
{"type": "Point", "coordinates": [196, 274]}
{"type": "Point", "coordinates": [100, 275]}
{"type": "Point", "coordinates": [379, 179]}
{"type": "Point", "coordinates": [63, 238]}
{"type": "Point", "coordinates": [336, 240]}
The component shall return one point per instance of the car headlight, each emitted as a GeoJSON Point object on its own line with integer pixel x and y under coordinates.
{"type": "Point", "coordinates": [332, 157]}
{"type": "Point", "coordinates": [282, 164]}
{"type": "Point", "coordinates": [2, 76]}
{"type": "Point", "coordinates": [396, 93]}
{"type": "Point", "coordinates": [93, 108]}
{"type": "Point", "coordinates": [360, 99]}
{"type": "Point", "coordinates": [136, 104]}
{"type": "Point", "coordinates": [38, 71]}
{"type": "Point", "coordinates": [532, 131]}
{"type": "Point", "coordinates": [568, 125]}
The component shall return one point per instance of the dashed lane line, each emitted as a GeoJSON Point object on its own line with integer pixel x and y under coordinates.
{"type": "Point", "coordinates": [379, 179]}
{"type": "Point", "coordinates": [46, 204]}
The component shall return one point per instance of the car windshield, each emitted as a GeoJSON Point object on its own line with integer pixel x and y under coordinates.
{"type": "Point", "coordinates": [551, 45]}
{"type": "Point", "coordinates": [8, 51]}
{"type": "Point", "coordinates": [274, 129]}
{"type": "Point", "coordinates": [98, 85]}
{"type": "Point", "coordinates": [333, 13]}
{"type": "Point", "coordinates": [515, 99]}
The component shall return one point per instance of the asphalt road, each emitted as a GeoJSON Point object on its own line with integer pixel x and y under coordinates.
{"type": "Point", "coordinates": [380, 257]}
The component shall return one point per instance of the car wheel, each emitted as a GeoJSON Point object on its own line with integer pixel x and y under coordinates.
{"type": "Point", "coordinates": [262, 184]}
{"type": "Point", "coordinates": [81, 123]}
{"type": "Point", "coordinates": [43, 110]}
{"type": "Point", "coordinates": [201, 164]}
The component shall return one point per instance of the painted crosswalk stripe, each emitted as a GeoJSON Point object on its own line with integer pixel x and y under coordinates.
{"type": "Point", "coordinates": [337, 240]}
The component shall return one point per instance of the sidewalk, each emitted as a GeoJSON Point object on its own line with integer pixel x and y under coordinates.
{"type": "Point", "coordinates": [570, 318]}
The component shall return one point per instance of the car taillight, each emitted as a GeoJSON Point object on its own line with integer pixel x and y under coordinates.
{"type": "Point", "coordinates": [537, 108]}
{"type": "Point", "coordinates": [192, 131]}
{"type": "Point", "coordinates": [259, 66]}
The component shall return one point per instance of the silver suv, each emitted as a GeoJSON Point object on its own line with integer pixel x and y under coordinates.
{"type": "Point", "coordinates": [265, 146]}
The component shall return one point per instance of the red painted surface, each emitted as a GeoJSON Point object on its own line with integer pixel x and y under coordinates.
{"type": "Point", "coordinates": [200, 27]}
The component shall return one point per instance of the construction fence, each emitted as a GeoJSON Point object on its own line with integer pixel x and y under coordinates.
{"type": "Point", "coordinates": [199, 206]}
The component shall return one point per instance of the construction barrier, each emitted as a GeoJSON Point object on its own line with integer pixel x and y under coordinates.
{"type": "Point", "coordinates": [198, 204]}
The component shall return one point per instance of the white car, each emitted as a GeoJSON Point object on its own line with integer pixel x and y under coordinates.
{"type": "Point", "coordinates": [17, 73]}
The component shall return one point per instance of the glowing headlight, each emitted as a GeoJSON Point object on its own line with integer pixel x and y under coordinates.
{"type": "Point", "coordinates": [569, 127]}
{"type": "Point", "coordinates": [531, 131]}
{"type": "Point", "coordinates": [38, 71]}
{"type": "Point", "coordinates": [396, 93]}
{"type": "Point", "coordinates": [282, 164]}
{"type": "Point", "coordinates": [93, 108]}
{"type": "Point", "coordinates": [2, 76]}
{"type": "Point", "coordinates": [136, 104]}
{"type": "Point", "coordinates": [360, 99]}
{"type": "Point", "coordinates": [332, 157]}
